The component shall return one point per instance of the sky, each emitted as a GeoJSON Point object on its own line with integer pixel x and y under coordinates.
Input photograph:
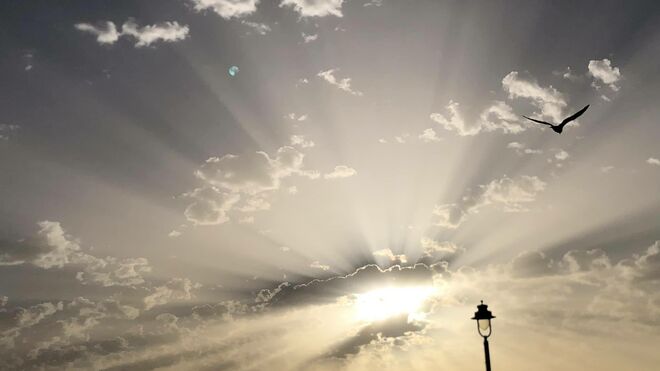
{"type": "Point", "coordinates": [343, 201]}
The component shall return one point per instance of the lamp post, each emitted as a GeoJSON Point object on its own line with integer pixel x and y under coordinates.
{"type": "Point", "coordinates": [483, 317]}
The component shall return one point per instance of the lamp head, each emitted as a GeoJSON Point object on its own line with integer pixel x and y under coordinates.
{"type": "Point", "coordinates": [483, 317]}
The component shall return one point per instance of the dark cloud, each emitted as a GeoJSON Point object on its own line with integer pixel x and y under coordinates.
{"type": "Point", "coordinates": [395, 327]}
{"type": "Point", "coordinates": [364, 279]}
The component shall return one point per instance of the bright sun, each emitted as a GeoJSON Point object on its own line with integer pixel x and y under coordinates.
{"type": "Point", "coordinates": [384, 303]}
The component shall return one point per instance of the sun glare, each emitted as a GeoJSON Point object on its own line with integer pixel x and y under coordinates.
{"type": "Point", "coordinates": [381, 304]}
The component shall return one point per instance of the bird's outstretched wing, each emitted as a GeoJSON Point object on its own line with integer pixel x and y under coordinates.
{"type": "Point", "coordinates": [539, 121]}
{"type": "Point", "coordinates": [576, 115]}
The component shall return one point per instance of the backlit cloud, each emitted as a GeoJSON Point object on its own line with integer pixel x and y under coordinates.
{"type": "Point", "coordinates": [509, 194]}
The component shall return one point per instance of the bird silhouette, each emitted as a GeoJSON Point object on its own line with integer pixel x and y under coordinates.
{"type": "Point", "coordinates": [558, 128]}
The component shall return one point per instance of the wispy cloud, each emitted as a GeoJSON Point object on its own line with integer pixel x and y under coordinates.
{"type": "Point", "coordinates": [315, 8]}
{"type": "Point", "coordinates": [343, 84]}
{"type": "Point", "coordinates": [106, 32]}
{"type": "Point", "coordinates": [550, 101]}
{"type": "Point", "coordinates": [227, 9]}
{"type": "Point", "coordinates": [510, 194]}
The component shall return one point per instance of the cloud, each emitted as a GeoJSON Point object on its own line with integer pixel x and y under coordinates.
{"type": "Point", "coordinates": [603, 72]}
{"type": "Point", "coordinates": [548, 100]}
{"type": "Point", "coordinates": [317, 265]}
{"type": "Point", "coordinates": [106, 32]}
{"type": "Point", "coordinates": [6, 131]}
{"type": "Point", "coordinates": [227, 9]}
{"type": "Point", "coordinates": [244, 183]}
{"type": "Point", "coordinates": [241, 183]}
{"type": "Point", "coordinates": [497, 116]}
{"type": "Point", "coordinates": [294, 117]}
{"type": "Point", "coordinates": [147, 35]}
{"type": "Point", "coordinates": [653, 161]}
{"type": "Point", "coordinates": [315, 8]}
{"type": "Point", "coordinates": [561, 155]}
{"type": "Point", "coordinates": [568, 75]}
{"type": "Point", "coordinates": [177, 289]}
{"type": "Point", "coordinates": [574, 296]}
{"type": "Point", "coordinates": [309, 38]}
{"type": "Point", "coordinates": [509, 194]}
{"type": "Point", "coordinates": [340, 171]}
{"type": "Point", "coordinates": [144, 36]}
{"type": "Point", "coordinates": [343, 84]}
{"type": "Point", "coordinates": [54, 248]}
{"type": "Point", "coordinates": [364, 279]}
{"type": "Point", "coordinates": [375, 3]}
{"type": "Point", "coordinates": [522, 149]}
{"type": "Point", "coordinates": [393, 258]}
{"type": "Point", "coordinates": [429, 135]}
{"type": "Point", "coordinates": [210, 205]}
{"type": "Point", "coordinates": [432, 247]}
{"type": "Point", "coordinates": [300, 141]}
{"type": "Point", "coordinates": [260, 28]}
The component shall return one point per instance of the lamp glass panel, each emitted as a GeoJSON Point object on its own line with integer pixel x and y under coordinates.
{"type": "Point", "coordinates": [484, 324]}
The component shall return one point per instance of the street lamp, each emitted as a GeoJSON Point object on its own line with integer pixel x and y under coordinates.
{"type": "Point", "coordinates": [483, 317]}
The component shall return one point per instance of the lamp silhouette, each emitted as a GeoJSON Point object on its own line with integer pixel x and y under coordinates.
{"type": "Point", "coordinates": [483, 317]}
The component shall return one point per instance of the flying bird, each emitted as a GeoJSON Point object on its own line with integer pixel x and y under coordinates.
{"type": "Point", "coordinates": [560, 127]}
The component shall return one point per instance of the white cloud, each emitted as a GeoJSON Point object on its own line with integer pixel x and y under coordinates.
{"type": "Point", "coordinates": [308, 38]}
{"type": "Point", "coordinates": [509, 194]}
{"type": "Point", "coordinates": [317, 265]}
{"type": "Point", "coordinates": [294, 117]}
{"type": "Point", "coordinates": [106, 32]}
{"type": "Point", "coordinates": [375, 3]}
{"type": "Point", "coordinates": [227, 8]}
{"type": "Point", "coordinates": [401, 139]}
{"type": "Point", "coordinates": [603, 72]}
{"type": "Point", "coordinates": [562, 155]}
{"type": "Point", "coordinates": [210, 205]}
{"type": "Point", "coordinates": [54, 248]}
{"type": "Point", "coordinates": [300, 141]}
{"type": "Point", "coordinates": [343, 84]}
{"type": "Point", "coordinates": [522, 149]}
{"type": "Point", "coordinates": [548, 100]}
{"type": "Point", "coordinates": [315, 8]}
{"type": "Point", "coordinates": [241, 183]}
{"type": "Point", "coordinates": [454, 121]}
{"type": "Point", "coordinates": [145, 36]}
{"type": "Point", "coordinates": [176, 289]}
{"type": "Point", "coordinates": [340, 171]}
{"type": "Point", "coordinates": [653, 161]}
{"type": "Point", "coordinates": [393, 258]}
{"type": "Point", "coordinates": [497, 116]}
{"type": "Point", "coordinates": [429, 135]}
{"type": "Point", "coordinates": [568, 75]}
{"type": "Point", "coordinates": [432, 247]}
{"type": "Point", "coordinates": [500, 116]}
{"type": "Point", "coordinates": [260, 28]}
{"type": "Point", "coordinates": [174, 234]}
